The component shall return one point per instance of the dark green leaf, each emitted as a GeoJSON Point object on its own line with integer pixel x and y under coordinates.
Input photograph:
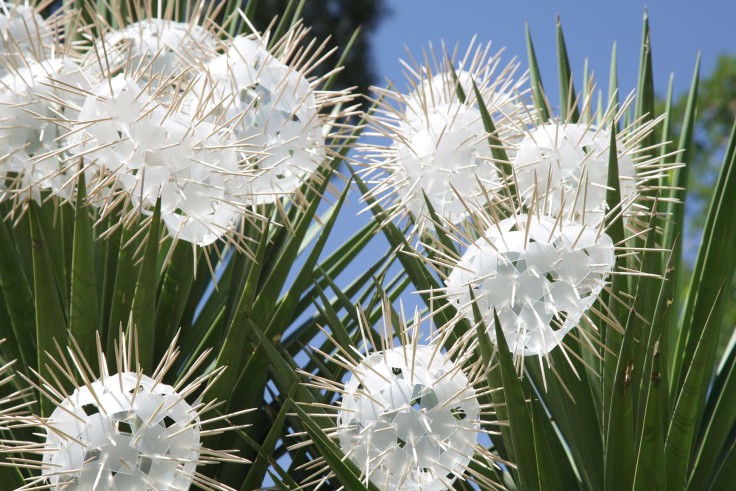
{"type": "Point", "coordinates": [84, 312]}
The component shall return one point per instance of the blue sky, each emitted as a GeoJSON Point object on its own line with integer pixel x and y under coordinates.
{"type": "Point", "coordinates": [679, 28]}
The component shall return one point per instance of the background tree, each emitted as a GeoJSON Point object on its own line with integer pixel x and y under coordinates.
{"type": "Point", "coordinates": [716, 109]}
{"type": "Point", "coordinates": [716, 106]}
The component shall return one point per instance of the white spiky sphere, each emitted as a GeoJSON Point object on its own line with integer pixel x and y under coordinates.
{"type": "Point", "coordinates": [23, 36]}
{"type": "Point", "coordinates": [439, 150]}
{"type": "Point", "coordinates": [28, 104]}
{"type": "Point", "coordinates": [442, 152]}
{"type": "Point", "coordinates": [558, 160]}
{"type": "Point", "coordinates": [273, 109]}
{"type": "Point", "coordinates": [152, 153]}
{"type": "Point", "coordinates": [540, 274]}
{"type": "Point", "coordinates": [409, 419]}
{"type": "Point", "coordinates": [159, 47]}
{"type": "Point", "coordinates": [123, 438]}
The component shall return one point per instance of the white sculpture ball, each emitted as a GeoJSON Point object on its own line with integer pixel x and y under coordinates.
{"type": "Point", "coordinates": [121, 438]}
{"type": "Point", "coordinates": [540, 274]}
{"type": "Point", "coordinates": [559, 160]}
{"type": "Point", "coordinates": [409, 419]}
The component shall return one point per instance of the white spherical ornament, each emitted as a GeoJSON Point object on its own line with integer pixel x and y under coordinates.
{"type": "Point", "coordinates": [441, 154]}
{"type": "Point", "coordinates": [23, 36]}
{"type": "Point", "coordinates": [152, 153]}
{"type": "Point", "coordinates": [438, 145]}
{"type": "Point", "coordinates": [558, 160]}
{"type": "Point", "coordinates": [28, 106]}
{"type": "Point", "coordinates": [125, 432]}
{"type": "Point", "coordinates": [541, 275]}
{"type": "Point", "coordinates": [274, 112]}
{"type": "Point", "coordinates": [163, 48]}
{"type": "Point", "coordinates": [409, 419]}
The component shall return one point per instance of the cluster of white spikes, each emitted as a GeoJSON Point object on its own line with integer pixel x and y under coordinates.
{"type": "Point", "coordinates": [123, 430]}
{"type": "Point", "coordinates": [396, 419]}
{"type": "Point", "coordinates": [162, 111]}
{"type": "Point", "coordinates": [409, 415]}
{"type": "Point", "coordinates": [438, 147]}
{"type": "Point", "coordinates": [539, 274]}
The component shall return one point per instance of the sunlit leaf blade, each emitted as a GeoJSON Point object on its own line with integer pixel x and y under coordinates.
{"type": "Point", "coordinates": [570, 388]}
{"type": "Point", "coordinates": [520, 422]}
{"type": "Point", "coordinates": [108, 251]}
{"type": "Point", "coordinates": [174, 296]}
{"type": "Point", "coordinates": [143, 308]}
{"type": "Point", "coordinates": [47, 218]}
{"type": "Point", "coordinates": [505, 445]}
{"type": "Point", "coordinates": [18, 299]}
{"type": "Point", "coordinates": [555, 470]}
{"type": "Point", "coordinates": [674, 228]}
{"type": "Point", "coordinates": [715, 265]}
{"type": "Point", "coordinates": [11, 477]}
{"type": "Point", "coordinates": [726, 473]}
{"type": "Point", "coordinates": [535, 80]}
{"type": "Point", "coordinates": [653, 406]}
{"type": "Point", "coordinates": [290, 13]}
{"type": "Point", "coordinates": [684, 422]}
{"type": "Point", "coordinates": [260, 465]}
{"type": "Point", "coordinates": [613, 89]}
{"type": "Point", "coordinates": [620, 455]}
{"type": "Point", "coordinates": [718, 431]}
{"type": "Point", "coordinates": [84, 309]}
{"type": "Point", "coordinates": [126, 275]}
{"type": "Point", "coordinates": [647, 323]}
{"type": "Point", "coordinates": [500, 157]}
{"type": "Point", "coordinates": [645, 86]}
{"type": "Point", "coordinates": [611, 338]}
{"type": "Point", "coordinates": [50, 322]}
{"type": "Point", "coordinates": [569, 110]}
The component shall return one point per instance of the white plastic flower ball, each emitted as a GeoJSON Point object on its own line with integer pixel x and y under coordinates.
{"type": "Point", "coordinates": [152, 153]}
{"type": "Point", "coordinates": [435, 146]}
{"type": "Point", "coordinates": [160, 47]}
{"type": "Point", "coordinates": [273, 110]}
{"type": "Point", "coordinates": [125, 431]}
{"type": "Point", "coordinates": [409, 419]}
{"type": "Point", "coordinates": [540, 274]}
{"type": "Point", "coordinates": [23, 35]}
{"type": "Point", "coordinates": [444, 153]}
{"type": "Point", "coordinates": [567, 165]}
{"type": "Point", "coordinates": [29, 104]}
